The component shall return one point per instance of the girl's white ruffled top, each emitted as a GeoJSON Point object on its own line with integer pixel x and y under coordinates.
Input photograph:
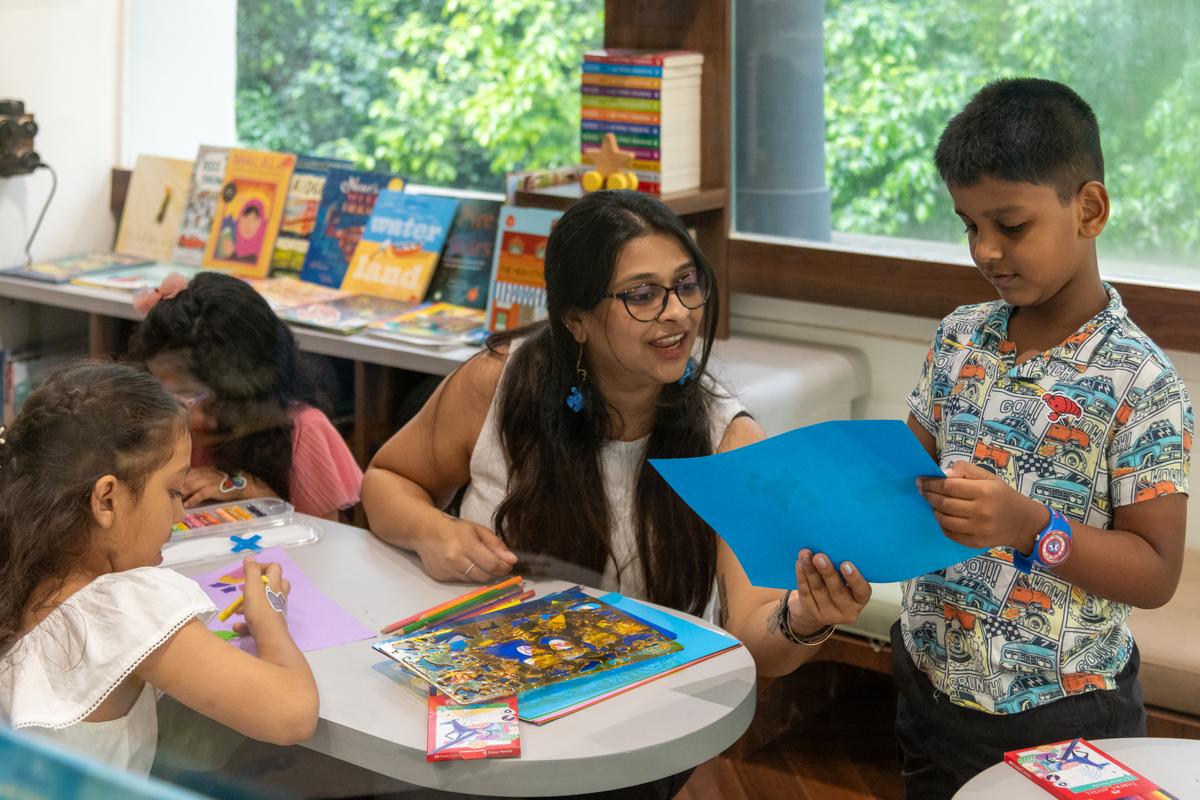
{"type": "Point", "coordinates": [57, 674]}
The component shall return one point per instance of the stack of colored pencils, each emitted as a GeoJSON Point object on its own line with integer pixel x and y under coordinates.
{"type": "Point", "coordinates": [483, 600]}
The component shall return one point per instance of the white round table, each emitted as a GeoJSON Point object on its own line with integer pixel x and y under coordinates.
{"type": "Point", "coordinates": [1174, 764]}
{"type": "Point", "coordinates": [656, 730]}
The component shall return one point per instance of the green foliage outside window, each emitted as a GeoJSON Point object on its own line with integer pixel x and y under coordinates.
{"type": "Point", "coordinates": [897, 70]}
{"type": "Point", "coordinates": [443, 92]}
{"type": "Point", "coordinates": [458, 92]}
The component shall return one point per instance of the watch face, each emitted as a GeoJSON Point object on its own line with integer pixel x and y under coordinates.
{"type": "Point", "coordinates": [1054, 548]}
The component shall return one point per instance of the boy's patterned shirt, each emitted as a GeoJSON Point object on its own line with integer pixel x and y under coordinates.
{"type": "Point", "coordinates": [1100, 421]}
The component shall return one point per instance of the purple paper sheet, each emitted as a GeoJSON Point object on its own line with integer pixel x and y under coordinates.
{"type": "Point", "coordinates": [314, 620]}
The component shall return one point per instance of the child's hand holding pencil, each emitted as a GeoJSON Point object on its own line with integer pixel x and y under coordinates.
{"type": "Point", "coordinates": [260, 608]}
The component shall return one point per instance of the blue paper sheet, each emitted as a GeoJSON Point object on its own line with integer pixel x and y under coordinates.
{"type": "Point", "coordinates": [846, 489]}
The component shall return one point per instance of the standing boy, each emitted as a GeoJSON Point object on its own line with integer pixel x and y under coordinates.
{"type": "Point", "coordinates": [1065, 434]}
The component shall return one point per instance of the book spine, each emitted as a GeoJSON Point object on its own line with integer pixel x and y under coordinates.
{"type": "Point", "coordinates": [614, 115]}
{"type": "Point", "coordinates": [623, 103]}
{"type": "Point", "coordinates": [625, 81]}
{"type": "Point", "coordinates": [645, 147]}
{"type": "Point", "coordinates": [640, 154]}
{"type": "Point", "coordinates": [605, 126]}
{"type": "Point", "coordinates": [620, 91]}
{"type": "Point", "coordinates": [640, 70]}
{"type": "Point", "coordinates": [605, 57]}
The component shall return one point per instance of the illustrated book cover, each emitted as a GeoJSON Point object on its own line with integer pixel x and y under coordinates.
{"type": "Point", "coordinates": [346, 203]}
{"type": "Point", "coordinates": [533, 644]}
{"type": "Point", "coordinates": [400, 246]}
{"type": "Point", "coordinates": [517, 293]}
{"type": "Point", "coordinates": [463, 274]}
{"type": "Point", "coordinates": [300, 212]}
{"type": "Point", "coordinates": [153, 210]}
{"type": "Point", "coordinates": [345, 315]}
{"type": "Point", "coordinates": [61, 270]}
{"type": "Point", "coordinates": [249, 208]}
{"type": "Point", "coordinates": [433, 324]}
{"type": "Point", "coordinates": [479, 730]}
{"type": "Point", "coordinates": [1076, 768]}
{"type": "Point", "coordinates": [208, 175]}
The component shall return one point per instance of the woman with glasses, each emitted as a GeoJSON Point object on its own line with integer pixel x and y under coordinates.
{"type": "Point", "coordinates": [551, 429]}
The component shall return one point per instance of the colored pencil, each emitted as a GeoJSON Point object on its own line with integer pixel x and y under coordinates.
{"type": "Point", "coordinates": [513, 581]}
{"type": "Point", "coordinates": [485, 597]}
{"type": "Point", "coordinates": [497, 605]}
{"type": "Point", "coordinates": [233, 607]}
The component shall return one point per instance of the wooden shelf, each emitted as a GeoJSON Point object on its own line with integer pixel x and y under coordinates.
{"type": "Point", "coordinates": [560, 198]}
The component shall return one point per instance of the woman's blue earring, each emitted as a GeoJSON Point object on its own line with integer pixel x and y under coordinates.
{"type": "Point", "coordinates": [575, 400]}
{"type": "Point", "coordinates": [689, 372]}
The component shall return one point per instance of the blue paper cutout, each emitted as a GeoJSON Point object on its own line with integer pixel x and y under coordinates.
{"type": "Point", "coordinates": [245, 543]}
{"type": "Point", "coordinates": [846, 489]}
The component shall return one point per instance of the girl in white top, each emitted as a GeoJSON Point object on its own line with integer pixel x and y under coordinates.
{"type": "Point", "coordinates": [91, 475]}
{"type": "Point", "coordinates": [550, 431]}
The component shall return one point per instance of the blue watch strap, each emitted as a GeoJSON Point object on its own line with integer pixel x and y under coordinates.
{"type": "Point", "coordinates": [1050, 548]}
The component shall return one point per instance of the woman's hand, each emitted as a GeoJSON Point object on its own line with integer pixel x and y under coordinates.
{"type": "Point", "coordinates": [824, 596]}
{"type": "Point", "coordinates": [460, 550]}
{"type": "Point", "coordinates": [262, 607]}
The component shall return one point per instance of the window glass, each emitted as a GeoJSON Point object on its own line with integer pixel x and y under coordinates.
{"type": "Point", "coordinates": [449, 93]}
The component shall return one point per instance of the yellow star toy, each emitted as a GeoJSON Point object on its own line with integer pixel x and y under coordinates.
{"type": "Point", "coordinates": [612, 167]}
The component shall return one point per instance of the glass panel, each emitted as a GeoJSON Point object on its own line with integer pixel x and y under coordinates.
{"type": "Point", "coordinates": [443, 93]}
{"type": "Point", "coordinates": [896, 71]}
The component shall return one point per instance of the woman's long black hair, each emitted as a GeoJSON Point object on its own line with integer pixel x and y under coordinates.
{"type": "Point", "coordinates": [229, 339]}
{"type": "Point", "coordinates": [556, 503]}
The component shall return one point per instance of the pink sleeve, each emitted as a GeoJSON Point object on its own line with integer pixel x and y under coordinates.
{"type": "Point", "coordinates": [325, 477]}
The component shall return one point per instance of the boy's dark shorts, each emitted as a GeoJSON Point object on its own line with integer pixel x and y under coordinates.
{"type": "Point", "coordinates": [943, 746]}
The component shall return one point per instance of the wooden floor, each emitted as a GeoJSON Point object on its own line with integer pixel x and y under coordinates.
{"type": "Point", "coordinates": [822, 733]}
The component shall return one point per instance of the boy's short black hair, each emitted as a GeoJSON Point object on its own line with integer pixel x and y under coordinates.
{"type": "Point", "coordinates": [1026, 130]}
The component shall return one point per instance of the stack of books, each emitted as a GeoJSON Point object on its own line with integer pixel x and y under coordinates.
{"type": "Point", "coordinates": [650, 100]}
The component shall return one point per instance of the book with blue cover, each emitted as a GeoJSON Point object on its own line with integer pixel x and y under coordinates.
{"type": "Point", "coordinates": [347, 201]}
{"type": "Point", "coordinates": [400, 248]}
{"type": "Point", "coordinates": [300, 212]}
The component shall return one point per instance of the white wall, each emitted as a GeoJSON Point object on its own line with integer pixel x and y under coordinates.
{"type": "Point", "coordinates": [180, 77]}
{"type": "Point", "coordinates": [894, 346]}
{"type": "Point", "coordinates": [62, 58]}
{"type": "Point", "coordinates": [106, 80]}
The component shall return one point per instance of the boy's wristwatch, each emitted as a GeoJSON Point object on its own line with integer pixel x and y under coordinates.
{"type": "Point", "coordinates": [1052, 546]}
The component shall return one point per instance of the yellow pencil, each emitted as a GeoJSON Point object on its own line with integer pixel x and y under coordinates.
{"type": "Point", "coordinates": [233, 607]}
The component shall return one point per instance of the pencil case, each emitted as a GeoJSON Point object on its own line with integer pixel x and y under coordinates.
{"type": "Point", "coordinates": [243, 527]}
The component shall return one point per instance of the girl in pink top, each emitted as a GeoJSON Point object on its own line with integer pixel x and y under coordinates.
{"type": "Point", "coordinates": [254, 410]}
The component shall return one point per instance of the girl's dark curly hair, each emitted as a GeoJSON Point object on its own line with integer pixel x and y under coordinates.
{"type": "Point", "coordinates": [230, 340]}
{"type": "Point", "coordinates": [85, 421]}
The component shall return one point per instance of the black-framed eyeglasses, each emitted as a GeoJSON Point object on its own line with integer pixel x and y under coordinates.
{"type": "Point", "coordinates": [647, 302]}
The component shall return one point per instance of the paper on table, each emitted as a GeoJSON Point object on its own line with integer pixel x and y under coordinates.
{"type": "Point", "coordinates": [314, 620]}
{"type": "Point", "coordinates": [846, 489]}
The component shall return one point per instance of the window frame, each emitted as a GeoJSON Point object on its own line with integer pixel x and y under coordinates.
{"type": "Point", "coordinates": [852, 278]}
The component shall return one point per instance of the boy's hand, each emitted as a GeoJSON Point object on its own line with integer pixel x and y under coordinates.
{"type": "Point", "coordinates": [979, 510]}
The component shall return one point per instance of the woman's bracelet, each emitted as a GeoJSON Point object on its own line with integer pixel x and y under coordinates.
{"type": "Point", "coordinates": [785, 626]}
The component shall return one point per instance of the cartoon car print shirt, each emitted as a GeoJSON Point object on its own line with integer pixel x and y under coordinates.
{"type": "Point", "coordinates": [1100, 421]}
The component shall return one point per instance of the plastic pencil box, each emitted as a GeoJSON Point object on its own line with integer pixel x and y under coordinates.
{"type": "Point", "coordinates": [244, 527]}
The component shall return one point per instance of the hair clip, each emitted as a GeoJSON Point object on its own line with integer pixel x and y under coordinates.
{"type": "Point", "coordinates": [172, 285]}
{"type": "Point", "coordinates": [2, 439]}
